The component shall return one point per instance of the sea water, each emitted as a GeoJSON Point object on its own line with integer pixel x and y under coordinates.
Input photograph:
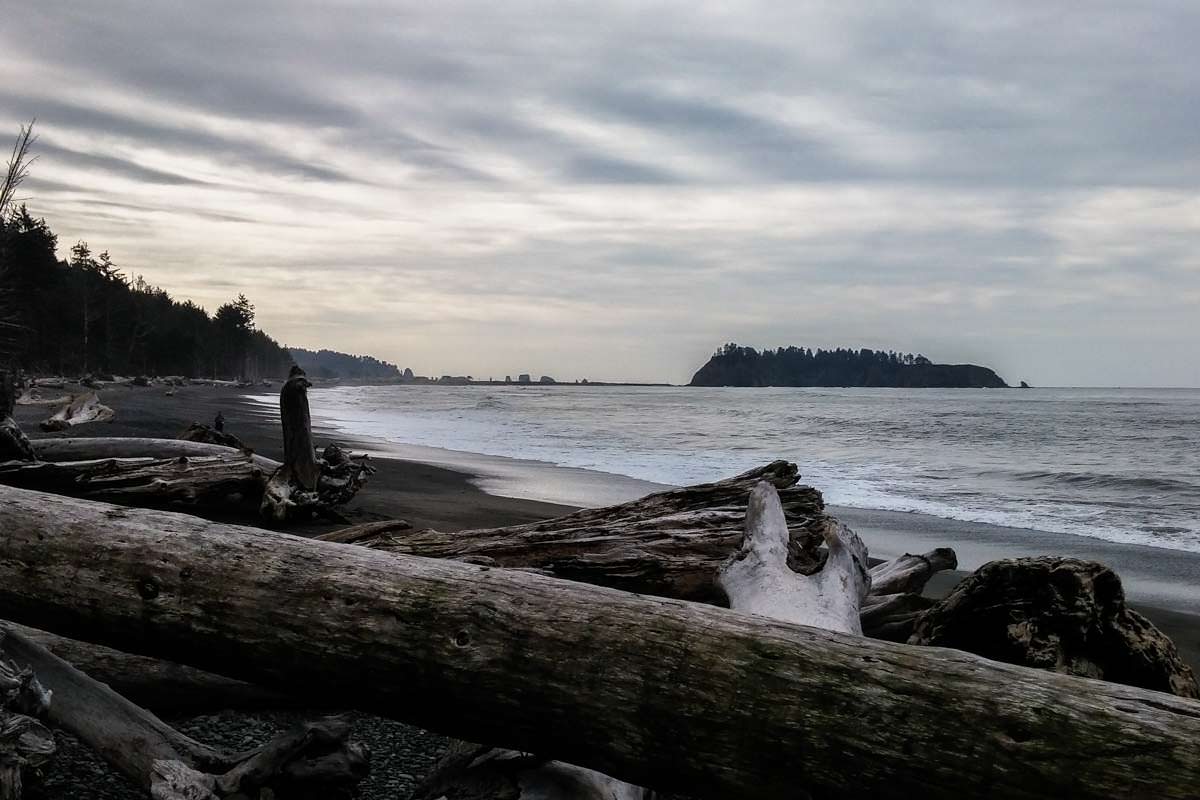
{"type": "Point", "coordinates": [1115, 464]}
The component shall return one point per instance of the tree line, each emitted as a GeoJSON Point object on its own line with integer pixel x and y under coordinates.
{"type": "Point", "coordinates": [85, 315]}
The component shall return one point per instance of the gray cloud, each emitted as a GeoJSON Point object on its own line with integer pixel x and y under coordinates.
{"type": "Point", "coordinates": [477, 185]}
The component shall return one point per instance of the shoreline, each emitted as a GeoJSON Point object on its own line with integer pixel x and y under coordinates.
{"type": "Point", "coordinates": [451, 490]}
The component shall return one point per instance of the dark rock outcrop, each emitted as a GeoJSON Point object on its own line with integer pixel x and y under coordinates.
{"type": "Point", "coordinates": [1060, 614]}
{"type": "Point", "coordinates": [797, 366]}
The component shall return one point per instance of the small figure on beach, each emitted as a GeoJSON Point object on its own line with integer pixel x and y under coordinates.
{"type": "Point", "coordinates": [219, 422]}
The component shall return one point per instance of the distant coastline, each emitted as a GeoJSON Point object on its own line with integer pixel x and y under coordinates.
{"type": "Point", "coordinates": [734, 365]}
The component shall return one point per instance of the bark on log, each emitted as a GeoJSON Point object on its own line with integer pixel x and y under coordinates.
{"type": "Point", "coordinates": [83, 409]}
{"type": "Point", "coordinates": [184, 479]}
{"type": "Point", "coordinates": [669, 544]}
{"type": "Point", "coordinates": [172, 766]}
{"type": "Point", "coordinates": [651, 691]}
{"type": "Point", "coordinates": [1056, 613]}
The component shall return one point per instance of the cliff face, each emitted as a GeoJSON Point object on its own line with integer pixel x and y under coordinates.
{"type": "Point", "coordinates": [744, 366]}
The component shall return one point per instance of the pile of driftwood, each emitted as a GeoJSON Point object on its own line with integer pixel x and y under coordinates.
{"type": "Point", "coordinates": [191, 470]}
{"type": "Point", "coordinates": [706, 640]}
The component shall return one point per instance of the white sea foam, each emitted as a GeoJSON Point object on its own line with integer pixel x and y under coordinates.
{"type": "Point", "coordinates": [1115, 465]}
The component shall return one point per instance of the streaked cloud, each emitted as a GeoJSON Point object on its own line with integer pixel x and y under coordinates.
{"type": "Point", "coordinates": [613, 190]}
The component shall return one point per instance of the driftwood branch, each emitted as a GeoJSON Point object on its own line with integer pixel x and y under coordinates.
{"type": "Point", "coordinates": [170, 765]}
{"type": "Point", "coordinates": [654, 692]}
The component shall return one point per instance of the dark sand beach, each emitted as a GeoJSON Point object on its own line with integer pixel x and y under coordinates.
{"type": "Point", "coordinates": [1162, 584]}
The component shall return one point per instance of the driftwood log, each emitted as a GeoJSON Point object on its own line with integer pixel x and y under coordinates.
{"type": "Point", "coordinates": [81, 410]}
{"type": "Point", "coordinates": [669, 544]}
{"type": "Point", "coordinates": [88, 448]}
{"type": "Point", "coordinates": [204, 479]}
{"type": "Point", "coordinates": [316, 760]}
{"type": "Point", "coordinates": [651, 691]}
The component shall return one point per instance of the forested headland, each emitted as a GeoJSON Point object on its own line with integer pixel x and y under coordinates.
{"type": "Point", "coordinates": [86, 315]}
{"type": "Point", "coordinates": [734, 365]}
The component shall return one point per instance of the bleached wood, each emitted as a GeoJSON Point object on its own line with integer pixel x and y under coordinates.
{"type": "Point", "coordinates": [651, 691]}
{"type": "Point", "coordinates": [758, 580]}
{"type": "Point", "coordinates": [81, 410]}
{"type": "Point", "coordinates": [909, 573]}
{"type": "Point", "coordinates": [98, 447]}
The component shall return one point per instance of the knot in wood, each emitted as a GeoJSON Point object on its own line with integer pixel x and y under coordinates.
{"type": "Point", "coordinates": [462, 639]}
{"type": "Point", "coordinates": [148, 588]}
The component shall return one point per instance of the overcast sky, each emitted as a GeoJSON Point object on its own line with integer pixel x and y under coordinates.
{"type": "Point", "coordinates": [613, 190]}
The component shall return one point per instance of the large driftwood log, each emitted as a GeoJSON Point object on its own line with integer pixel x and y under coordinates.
{"type": "Point", "coordinates": [670, 543]}
{"type": "Point", "coordinates": [655, 692]}
{"type": "Point", "coordinates": [100, 447]}
{"type": "Point", "coordinates": [83, 409]}
{"type": "Point", "coordinates": [316, 760]}
{"type": "Point", "coordinates": [1056, 613]}
{"type": "Point", "coordinates": [143, 480]}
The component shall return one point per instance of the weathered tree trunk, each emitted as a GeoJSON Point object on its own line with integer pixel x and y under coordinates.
{"type": "Point", "coordinates": [171, 766]}
{"type": "Point", "coordinates": [304, 486]}
{"type": "Point", "coordinates": [143, 480]}
{"type": "Point", "coordinates": [299, 452]}
{"type": "Point", "coordinates": [83, 409]}
{"type": "Point", "coordinates": [655, 692]}
{"type": "Point", "coordinates": [94, 448]}
{"type": "Point", "coordinates": [669, 544]}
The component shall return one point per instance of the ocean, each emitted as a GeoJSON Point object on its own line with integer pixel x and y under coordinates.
{"type": "Point", "coordinates": [1121, 465]}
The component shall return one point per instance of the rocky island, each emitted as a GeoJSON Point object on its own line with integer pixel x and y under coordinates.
{"type": "Point", "coordinates": [733, 365]}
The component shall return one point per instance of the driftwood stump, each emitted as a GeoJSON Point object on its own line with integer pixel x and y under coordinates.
{"type": "Point", "coordinates": [1060, 614]}
{"type": "Point", "coordinates": [303, 485]}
